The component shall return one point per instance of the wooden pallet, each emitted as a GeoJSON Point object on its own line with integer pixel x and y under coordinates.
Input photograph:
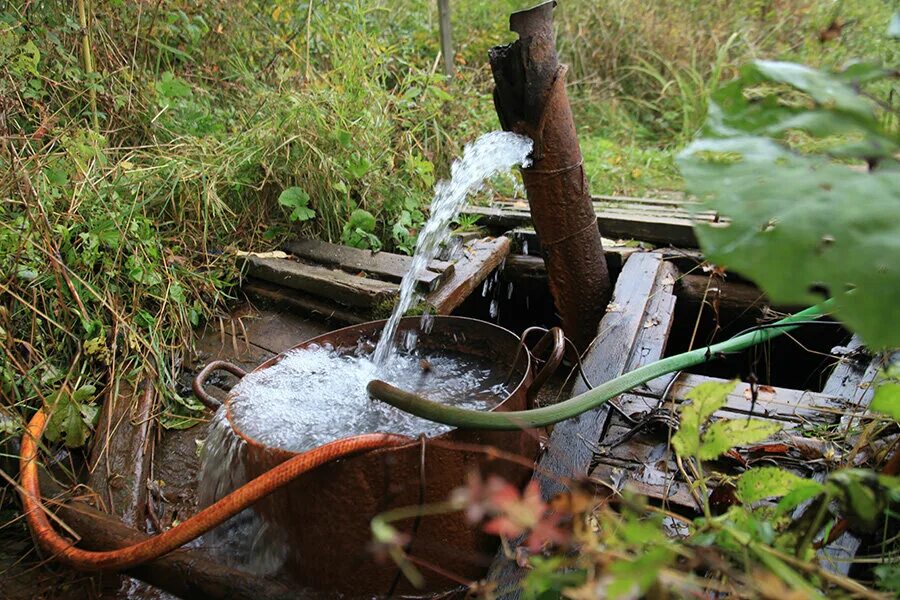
{"type": "Point", "coordinates": [665, 221]}
{"type": "Point", "coordinates": [352, 285]}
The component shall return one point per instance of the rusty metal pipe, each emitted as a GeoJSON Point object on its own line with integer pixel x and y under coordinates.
{"type": "Point", "coordinates": [530, 98]}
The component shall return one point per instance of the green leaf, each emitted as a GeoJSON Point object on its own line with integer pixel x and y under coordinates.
{"type": "Point", "coordinates": [705, 399]}
{"type": "Point", "coordinates": [297, 200]}
{"type": "Point", "coordinates": [29, 57]}
{"type": "Point", "coordinates": [801, 225]}
{"type": "Point", "coordinates": [362, 219]}
{"type": "Point", "coordinates": [723, 435]}
{"type": "Point", "coordinates": [821, 86]}
{"type": "Point", "coordinates": [768, 482]}
{"type": "Point", "coordinates": [863, 498]}
{"type": "Point", "coordinates": [632, 578]}
{"type": "Point", "coordinates": [887, 395]}
{"type": "Point", "coordinates": [804, 228]}
{"type": "Point", "coordinates": [169, 87]}
{"type": "Point", "coordinates": [358, 166]}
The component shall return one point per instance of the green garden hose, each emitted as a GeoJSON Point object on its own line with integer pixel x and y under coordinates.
{"type": "Point", "coordinates": [548, 415]}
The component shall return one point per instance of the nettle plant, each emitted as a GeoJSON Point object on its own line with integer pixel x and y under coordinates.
{"type": "Point", "coordinates": [801, 167]}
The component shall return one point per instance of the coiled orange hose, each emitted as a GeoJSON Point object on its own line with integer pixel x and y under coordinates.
{"type": "Point", "coordinates": [206, 519]}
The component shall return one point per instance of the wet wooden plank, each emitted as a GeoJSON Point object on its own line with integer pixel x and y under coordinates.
{"type": "Point", "coordinates": [391, 267]}
{"type": "Point", "coordinates": [612, 353]}
{"type": "Point", "coordinates": [185, 572]}
{"type": "Point", "coordinates": [293, 299]}
{"type": "Point", "coordinates": [478, 260]}
{"type": "Point", "coordinates": [671, 228]}
{"type": "Point", "coordinates": [120, 452]}
{"type": "Point", "coordinates": [334, 284]}
{"type": "Point", "coordinates": [671, 199]}
{"type": "Point", "coordinates": [629, 334]}
{"type": "Point", "coordinates": [277, 331]}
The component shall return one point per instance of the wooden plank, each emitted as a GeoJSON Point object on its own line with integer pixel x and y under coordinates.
{"type": "Point", "coordinates": [478, 260]}
{"type": "Point", "coordinates": [613, 223]}
{"type": "Point", "coordinates": [185, 572]}
{"type": "Point", "coordinates": [391, 267]}
{"type": "Point", "coordinates": [671, 199]}
{"type": "Point", "coordinates": [305, 303]}
{"type": "Point", "coordinates": [277, 331]}
{"type": "Point", "coordinates": [782, 404]}
{"type": "Point", "coordinates": [120, 452]}
{"type": "Point", "coordinates": [334, 284]}
{"type": "Point", "coordinates": [851, 379]}
{"type": "Point", "coordinates": [521, 267]}
{"type": "Point", "coordinates": [629, 334]}
{"type": "Point", "coordinates": [645, 480]}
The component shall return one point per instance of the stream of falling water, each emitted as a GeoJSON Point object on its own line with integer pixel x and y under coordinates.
{"type": "Point", "coordinates": [493, 153]}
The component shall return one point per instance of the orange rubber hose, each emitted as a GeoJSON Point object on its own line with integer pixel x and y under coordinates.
{"type": "Point", "coordinates": [206, 519]}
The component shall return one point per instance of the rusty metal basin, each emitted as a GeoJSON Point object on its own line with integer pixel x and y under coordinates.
{"type": "Point", "coordinates": [325, 515]}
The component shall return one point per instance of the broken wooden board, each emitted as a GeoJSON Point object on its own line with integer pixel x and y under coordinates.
{"type": "Point", "coordinates": [383, 265]}
{"type": "Point", "coordinates": [656, 223]}
{"type": "Point", "coordinates": [478, 260]}
{"type": "Point", "coordinates": [120, 458]}
{"type": "Point", "coordinates": [633, 332]}
{"type": "Point", "coordinates": [642, 456]}
{"type": "Point", "coordinates": [851, 379]}
{"type": "Point", "coordinates": [334, 284]}
{"type": "Point", "coordinates": [789, 406]}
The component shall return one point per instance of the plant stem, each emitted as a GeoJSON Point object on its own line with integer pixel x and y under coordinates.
{"type": "Point", "coordinates": [701, 478]}
{"type": "Point", "coordinates": [88, 60]}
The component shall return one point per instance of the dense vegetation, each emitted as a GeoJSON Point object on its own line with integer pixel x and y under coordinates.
{"type": "Point", "coordinates": [142, 143]}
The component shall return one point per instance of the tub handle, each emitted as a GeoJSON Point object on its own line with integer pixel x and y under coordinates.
{"type": "Point", "coordinates": [555, 340]}
{"type": "Point", "coordinates": [216, 365]}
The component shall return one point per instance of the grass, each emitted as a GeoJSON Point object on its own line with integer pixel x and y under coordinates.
{"type": "Point", "coordinates": [136, 157]}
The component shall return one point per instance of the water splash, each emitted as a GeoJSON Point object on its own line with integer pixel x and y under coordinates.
{"type": "Point", "coordinates": [492, 153]}
{"type": "Point", "coordinates": [318, 394]}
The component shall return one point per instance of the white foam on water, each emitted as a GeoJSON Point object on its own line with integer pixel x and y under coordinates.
{"type": "Point", "coordinates": [493, 153]}
{"type": "Point", "coordinates": [318, 394]}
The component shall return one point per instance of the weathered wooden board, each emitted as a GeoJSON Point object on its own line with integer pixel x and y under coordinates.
{"type": "Point", "coordinates": [629, 334]}
{"type": "Point", "coordinates": [782, 404]}
{"type": "Point", "coordinates": [478, 260]}
{"type": "Point", "coordinates": [334, 284]}
{"type": "Point", "coordinates": [384, 265]}
{"type": "Point", "coordinates": [851, 379]}
{"type": "Point", "coordinates": [533, 268]}
{"type": "Point", "coordinates": [668, 226]}
{"type": "Point", "coordinates": [121, 454]}
{"type": "Point", "coordinates": [669, 199]}
{"type": "Point", "coordinates": [315, 307]}
{"type": "Point", "coordinates": [277, 331]}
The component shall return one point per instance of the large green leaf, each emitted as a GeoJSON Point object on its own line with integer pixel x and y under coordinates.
{"type": "Point", "coordinates": [724, 435]}
{"type": "Point", "coordinates": [766, 482]}
{"type": "Point", "coordinates": [705, 399]}
{"type": "Point", "coordinates": [802, 225]}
